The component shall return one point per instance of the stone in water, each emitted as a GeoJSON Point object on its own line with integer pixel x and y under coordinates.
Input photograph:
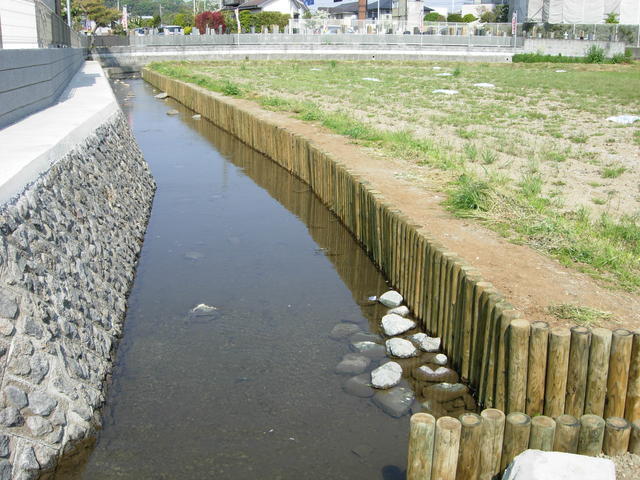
{"type": "Point", "coordinates": [343, 330]}
{"type": "Point", "coordinates": [402, 310]}
{"type": "Point", "coordinates": [391, 299]}
{"type": "Point", "coordinates": [401, 348]}
{"type": "Point", "coordinates": [162, 95]}
{"type": "Point", "coordinates": [538, 465]}
{"type": "Point", "coordinates": [439, 359]}
{"type": "Point", "coordinates": [387, 375]}
{"type": "Point", "coordinates": [172, 112]}
{"type": "Point", "coordinates": [445, 91]}
{"type": "Point", "coordinates": [426, 343]}
{"type": "Point", "coordinates": [353, 364]}
{"type": "Point", "coordinates": [360, 386]}
{"type": "Point", "coordinates": [395, 402]}
{"type": "Point", "coordinates": [395, 324]}
{"type": "Point", "coordinates": [203, 312]}
{"type": "Point", "coordinates": [197, 116]}
{"type": "Point", "coordinates": [372, 350]}
{"type": "Point", "coordinates": [441, 374]}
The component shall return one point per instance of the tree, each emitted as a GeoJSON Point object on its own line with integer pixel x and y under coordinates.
{"type": "Point", "coordinates": [611, 18]}
{"type": "Point", "coordinates": [183, 19]}
{"type": "Point", "coordinates": [434, 17]}
{"type": "Point", "coordinates": [455, 17]}
{"type": "Point", "coordinates": [211, 20]}
{"type": "Point", "coordinates": [468, 18]}
{"type": "Point", "coordinates": [502, 13]}
{"type": "Point", "coordinates": [97, 11]}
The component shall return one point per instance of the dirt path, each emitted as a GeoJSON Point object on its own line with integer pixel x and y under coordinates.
{"type": "Point", "coordinates": [530, 281]}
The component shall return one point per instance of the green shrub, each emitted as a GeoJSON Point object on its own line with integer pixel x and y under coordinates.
{"type": "Point", "coordinates": [434, 17]}
{"type": "Point", "coordinates": [188, 30]}
{"type": "Point", "coordinates": [230, 89]}
{"type": "Point", "coordinates": [455, 17]}
{"type": "Point", "coordinates": [468, 18]}
{"type": "Point", "coordinates": [595, 54]}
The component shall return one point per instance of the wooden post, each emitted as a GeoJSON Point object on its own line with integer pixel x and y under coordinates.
{"type": "Point", "coordinates": [516, 437]}
{"type": "Point", "coordinates": [578, 367]}
{"type": "Point", "coordinates": [543, 430]}
{"type": "Point", "coordinates": [598, 371]}
{"type": "Point", "coordinates": [491, 448]}
{"type": "Point", "coordinates": [619, 359]}
{"type": "Point", "coordinates": [517, 368]}
{"type": "Point", "coordinates": [557, 370]}
{"type": "Point", "coordinates": [591, 435]}
{"type": "Point", "coordinates": [421, 438]}
{"type": "Point", "coordinates": [634, 440]}
{"type": "Point", "coordinates": [616, 436]}
{"type": "Point", "coordinates": [470, 441]}
{"type": "Point", "coordinates": [445, 451]}
{"type": "Point", "coordinates": [505, 319]}
{"type": "Point", "coordinates": [567, 434]}
{"type": "Point", "coordinates": [537, 369]}
{"type": "Point", "coordinates": [632, 405]}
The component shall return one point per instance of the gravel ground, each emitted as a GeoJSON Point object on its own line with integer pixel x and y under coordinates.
{"type": "Point", "coordinates": [627, 466]}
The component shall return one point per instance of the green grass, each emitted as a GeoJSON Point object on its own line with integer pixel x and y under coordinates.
{"type": "Point", "coordinates": [582, 315]}
{"type": "Point", "coordinates": [469, 193]}
{"type": "Point", "coordinates": [613, 171]}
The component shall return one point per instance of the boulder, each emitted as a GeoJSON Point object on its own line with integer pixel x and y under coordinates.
{"type": "Point", "coordinates": [391, 299]}
{"type": "Point", "coordinates": [360, 386]}
{"type": "Point", "coordinates": [401, 348]}
{"type": "Point", "coordinates": [353, 364]}
{"type": "Point", "coordinates": [395, 402]}
{"type": "Point", "coordinates": [162, 95]}
{"type": "Point", "coordinates": [440, 359]}
{"type": "Point", "coordinates": [365, 337]}
{"type": "Point", "coordinates": [538, 465]}
{"type": "Point", "coordinates": [387, 375]}
{"type": "Point", "coordinates": [173, 112]}
{"type": "Point", "coordinates": [393, 324]}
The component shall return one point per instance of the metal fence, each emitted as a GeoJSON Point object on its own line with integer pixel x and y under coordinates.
{"type": "Point", "coordinates": [629, 34]}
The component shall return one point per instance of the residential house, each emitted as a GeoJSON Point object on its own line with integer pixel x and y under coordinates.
{"type": "Point", "coordinates": [294, 8]}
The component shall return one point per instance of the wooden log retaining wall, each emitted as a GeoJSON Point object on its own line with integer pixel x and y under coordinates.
{"type": "Point", "coordinates": [489, 443]}
{"type": "Point", "coordinates": [509, 364]}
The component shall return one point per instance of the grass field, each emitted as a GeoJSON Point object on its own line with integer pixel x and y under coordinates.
{"type": "Point", "coordinates": [533, 158]}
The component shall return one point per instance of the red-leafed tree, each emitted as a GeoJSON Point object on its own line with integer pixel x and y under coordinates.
{"type": "Point", "coordinates": [212, 20]}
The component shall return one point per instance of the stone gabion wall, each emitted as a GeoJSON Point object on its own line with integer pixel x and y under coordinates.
{"type": "Point", "coordinates": [68, 251]}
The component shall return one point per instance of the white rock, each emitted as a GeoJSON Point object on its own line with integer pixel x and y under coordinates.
{"type": "Point", "coordinates": [391, 299]}
{"type": "Point", "coordinates": [371, 79]}
{"type": "Point", "coordinates": [402, 310]}
{"type": "Point", "coordinates": [395, 324]}
{"type": "Point", "coordinates": [437, 68]}
{"type": "Point", "coordinates": [538, 465]}
{"type": "Point", "coordinates": [560, 71]}
{"type": "Point", "coordinates": [484, 85]}
{"type": "Point", "coordinates": [315, 69]}
{"type": "Point", "coordinates": [203, 310]}
{"type": "Point", "coordinates": [445, 91]}
{"type": "Point", "coordinates": [387, 375]}
{"type": "Point", "coordinates": [197, 116]}
{"type": "Point", "coordinates": [624, 119]}
{"type": "Point", "coordinates": [444, 74]}
{"type": "Point", "coordinates": [401, 348]}
{"type": "Point", "coordinates": [162, 95]}
{"type": "Point", "coordinates": [426, 343]}
{"type": "Point", "coordinates": [440, 359]}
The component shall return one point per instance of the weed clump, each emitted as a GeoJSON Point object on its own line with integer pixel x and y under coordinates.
{"type": "Point", "coordinates": [469, 194]}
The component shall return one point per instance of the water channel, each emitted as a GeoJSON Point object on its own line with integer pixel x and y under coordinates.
{"type": "Point", "coordinates": [249, 392]}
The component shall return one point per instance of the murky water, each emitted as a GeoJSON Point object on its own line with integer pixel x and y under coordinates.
{"type": "Point", "coordinates": [251, 393]}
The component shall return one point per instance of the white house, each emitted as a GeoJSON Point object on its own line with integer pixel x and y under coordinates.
{"type": "Point", "coordinates": [294, 8]}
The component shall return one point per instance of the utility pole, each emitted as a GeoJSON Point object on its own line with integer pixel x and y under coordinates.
{"type": "Point", "coordinates": [69, 13]}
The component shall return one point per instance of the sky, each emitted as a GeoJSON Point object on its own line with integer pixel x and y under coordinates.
{"type": "Point", "coordinates": [444, 3]}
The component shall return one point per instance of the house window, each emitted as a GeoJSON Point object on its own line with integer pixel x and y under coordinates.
{"type": "Point", "coordinates": [336, 1]}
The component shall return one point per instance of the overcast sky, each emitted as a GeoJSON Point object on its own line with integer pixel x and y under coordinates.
{"type": "Point", "coordinates": [444, 3]}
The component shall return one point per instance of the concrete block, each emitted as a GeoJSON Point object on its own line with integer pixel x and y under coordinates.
{"type": "Point", "coordinates": [538, 465]}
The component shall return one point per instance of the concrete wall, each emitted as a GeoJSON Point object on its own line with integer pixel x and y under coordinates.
{"type": "Point", "coordinates": [569, 48]}
{"type": "Point", "coordinates": [33, 79]}
{"type": "Point", "coordinates": [73, 212]}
